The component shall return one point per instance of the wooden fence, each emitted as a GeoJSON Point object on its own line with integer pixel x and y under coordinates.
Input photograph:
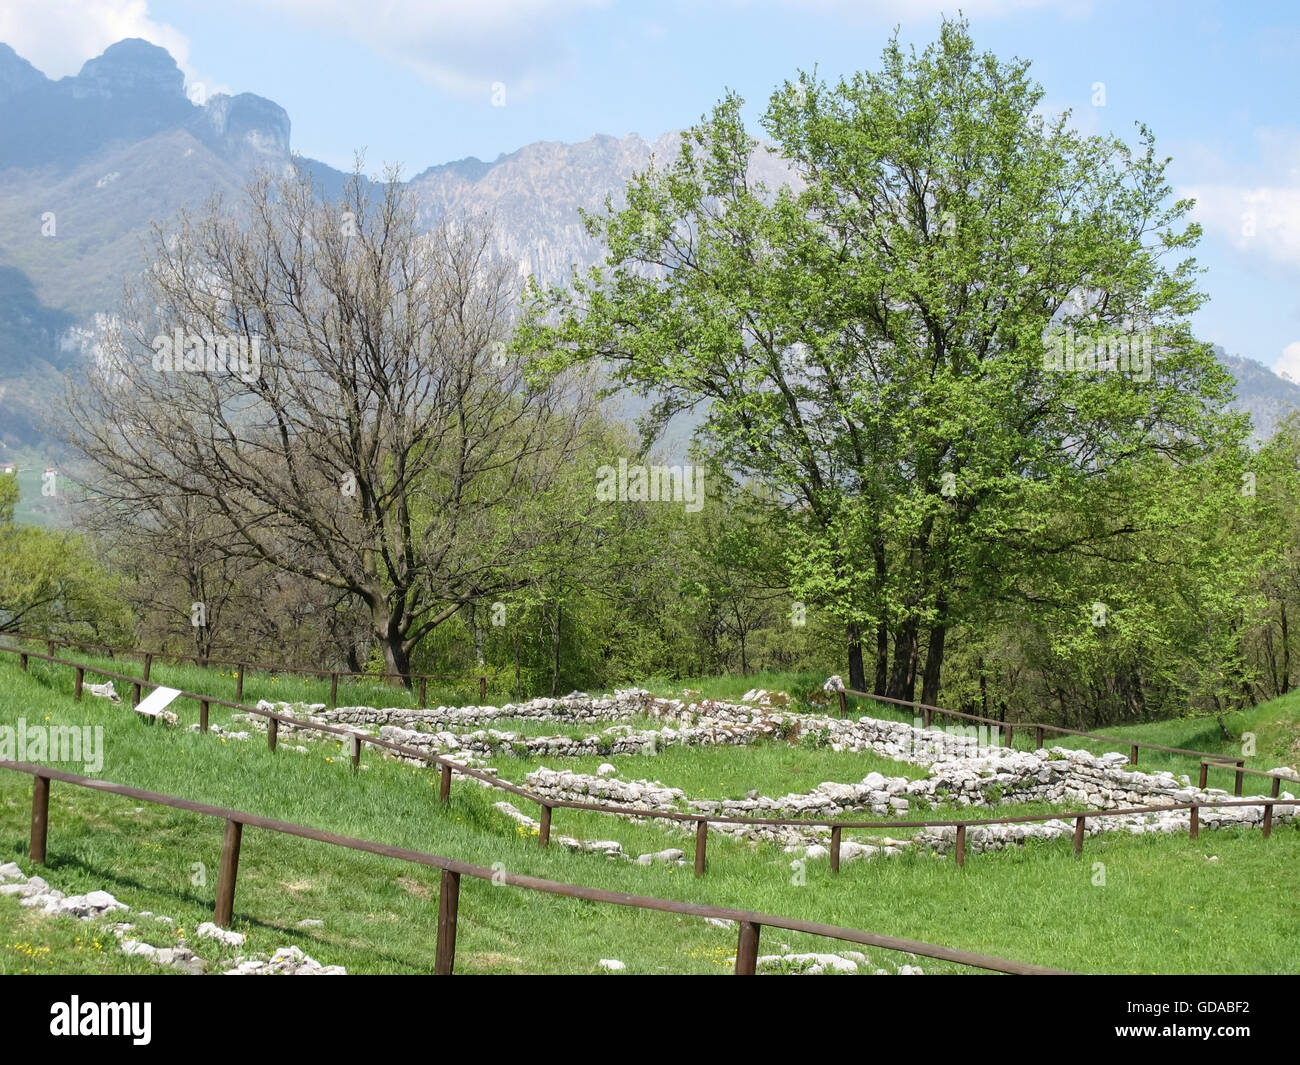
{"type": "Point", "coordinates": [416, 681]}
{"type": "Point", "coordinates": [750, 924]}
{"type": "Point", "coordinates": [1007, 731]}
{"type": "Point", "coordinates": [700, 821]}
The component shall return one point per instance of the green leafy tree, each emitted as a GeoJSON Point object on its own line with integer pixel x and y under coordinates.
{"type": "Point", "coordinates": [871, 342]}
{"type": "Point", "coordinates": [51, 582]}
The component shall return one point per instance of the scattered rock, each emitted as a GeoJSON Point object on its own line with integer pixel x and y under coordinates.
{"type": "Point", "coordinates": [208, 930]}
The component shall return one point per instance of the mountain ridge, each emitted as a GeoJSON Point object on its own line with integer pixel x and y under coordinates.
{"type": "Point", "coordinates": [90, 161]}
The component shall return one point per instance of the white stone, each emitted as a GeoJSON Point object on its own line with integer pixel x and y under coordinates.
{"type": "Point", "coordinates": [208, 930]}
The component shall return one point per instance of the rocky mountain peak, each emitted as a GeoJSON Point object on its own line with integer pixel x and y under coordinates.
{"type": "Point", "coordinates": [132, 67]}
{"type": "Point", "coordinates": [248, 123]}
{"type": "Point", "coordinates": [16, 74]}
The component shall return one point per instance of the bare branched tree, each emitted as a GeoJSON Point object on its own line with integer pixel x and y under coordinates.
{"type": "Point", "coordinates": [331, 386]}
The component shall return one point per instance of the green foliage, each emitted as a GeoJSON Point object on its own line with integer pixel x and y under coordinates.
{"type": "Point", "coordinates": [872, 349]}
{"type": "Point", "coordinates": [51, 582]}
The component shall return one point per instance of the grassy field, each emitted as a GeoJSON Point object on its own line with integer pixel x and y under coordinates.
{"type": "Point", "coordinates": [221, 682]}
{"type": "Point", "coordinates": [1163, 907]}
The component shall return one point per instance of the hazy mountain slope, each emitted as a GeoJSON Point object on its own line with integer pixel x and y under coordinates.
{"type": "Point", "coordinates": [88, 162]}
{"type": "Point", "coordinates": [1263, 394]}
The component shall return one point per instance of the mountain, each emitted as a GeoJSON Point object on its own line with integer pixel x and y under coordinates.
{"type": "Point", "coordinates": [89, 163]}
{"type": "Point", "coordinates": [1267, 397]}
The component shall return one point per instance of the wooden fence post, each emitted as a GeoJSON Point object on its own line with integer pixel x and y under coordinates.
{"type": "Point", "coordinates": [1194, 822]}
{"type": "Point", "coordinates": [1205, 769]}
{"type": "Point", "coordinates": [424, 702]}
{"type": "Point", "coordinates": [272, 732]}
{"type": "Point", "coordinates": [135, 695]}
{"type": "Point", "coordinates": [148, 664]}
{"type": "Point", "coordinates": [203, 715]}
{"type": "Point", "coordinates": [1268, 819]}
{"type": "Point", "coordinates": [482, 691]}
{"type": "Point", "coordinates": [229, 869]}
{"type": "Point", "coordinates": [961, 846]}
{"type": "Point", "coordinates": [356, 750]}
{"type": "Point", "coordinates": [40, 818]}
{"type": "Point", "coordinates": [448, 904]}
{"type": "Point", "coordinates": [747, 948]}
{"type": "Point", "coordinates": [444, 789]}
{"type": "Point", "coordinates": [1133, 755]}
{"type": "Point", "coordinates": [1038, 738]}
{"type": "Point", "coordinates": [844, 704]}
{"type": "Point", "coordinates": [22, 662]}
{"type": "Point", "coordinates": [1078, 836]}
{"type": "Point", "coordinates": [701, 842]}
{"type": "Point", "coordinates": [334, 690]}
{"type": "Point", "coordinates": [835, 849]}
{"type": "Point", "coordinates": [79, 683]}
{"type": "Point", "coordinates": [239, 684]}
{"type": "Point", "coordinates": [1008, 735]}
{"type": "Point", "coordinates": [544, 833]}
{"type": "Point", "coordinates": [1236, 789]}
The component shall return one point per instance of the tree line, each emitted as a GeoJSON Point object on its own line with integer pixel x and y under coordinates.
{"type": "Point", "coordinates": [904, 481]}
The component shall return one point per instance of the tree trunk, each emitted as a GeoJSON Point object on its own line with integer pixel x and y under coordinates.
{"type": "Point", "coordinates": [1286, 653]}
{"type": "Point", "coordinates": [902, 680]}
{"type": "Point", "coordinates": [882, 659]}
{"type": "Point", "coordinates": [555, 672]}
{"type": "Point", "coordinates": [397, 661]}
{"type": "Point", "coordinates": [934, 665]}
{"type": "Point", "coordinates": [857, 674]}
{"type": "Point", "coordinates": [477, 627]}
{"type": "Point", "coordinates": [742, 631]}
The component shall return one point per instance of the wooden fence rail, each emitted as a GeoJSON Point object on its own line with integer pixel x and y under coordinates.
{"type": "Point", "coordinates": [417, 681]}
{"type": "Point", "coordinates": [748, 922]}
{"type": "Point", "coordinates": [548, 804]}
{"type": "Point", "coordinates": [1007, 730]}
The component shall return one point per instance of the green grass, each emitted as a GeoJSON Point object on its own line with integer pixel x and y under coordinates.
{"type": "Point", "coordinates": [36, 944]}
{"type": "Point", "coordinates": [1164, 907]}
{"type": "Point", "coordinates": [772, 767]}
{"type": "Point", "coordinates": [532, 727]}
{"type": "Point", "coordinates": [221, 682]}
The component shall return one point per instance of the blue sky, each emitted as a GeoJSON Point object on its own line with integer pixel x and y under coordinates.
{"type": "Point", "coordinates": [414, 82]}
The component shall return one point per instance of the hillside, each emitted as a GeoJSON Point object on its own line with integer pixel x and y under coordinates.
{"type": "Point", "coordinates": [1165, 907]}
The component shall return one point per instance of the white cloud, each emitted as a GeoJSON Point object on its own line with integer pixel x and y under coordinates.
{"type": "Point", "coordinates": [1251, 203]}
{"type": "Point", "coordinates": [58, 36]}
{"type": "Point", "coordinates": [457, 46]}
{"type": "Point", "coordinates": [1288, 365]}
{"type": "Point", "coordinates": [1261, 220]}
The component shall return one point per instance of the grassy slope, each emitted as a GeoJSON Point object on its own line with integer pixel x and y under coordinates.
{"type": "Point", "coordinates": [1164, 906]}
